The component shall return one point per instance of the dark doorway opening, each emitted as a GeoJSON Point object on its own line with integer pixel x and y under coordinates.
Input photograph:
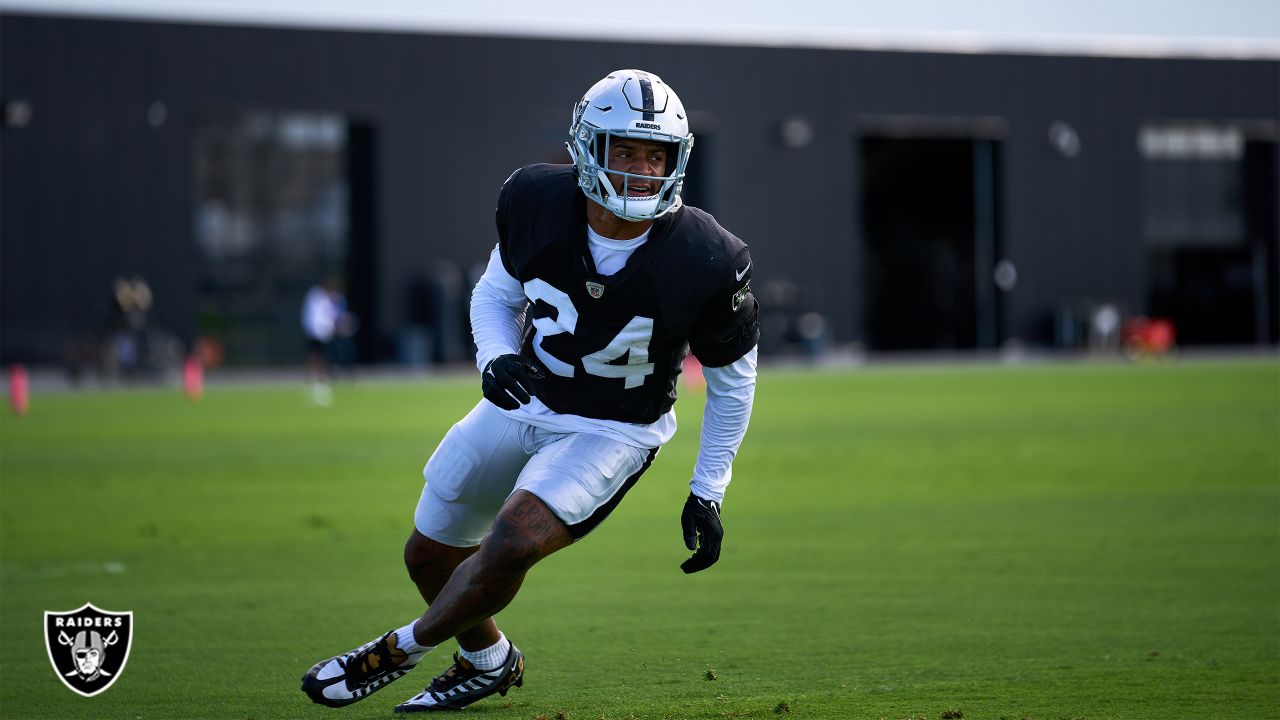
{"type": "Point", "coordinates": [283, 201]}
{"type": "Point", "coordinates": [930, 242]}
{"type": "Point", "coordinates": [362, 150]}
{"type": "Point", "coordinates": [1211, 229]}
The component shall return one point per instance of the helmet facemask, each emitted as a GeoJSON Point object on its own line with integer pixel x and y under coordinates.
{"type": "Point", "coordinates": [593, 172]}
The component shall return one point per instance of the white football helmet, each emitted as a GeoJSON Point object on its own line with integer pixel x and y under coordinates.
{"type": "Point", "coordinates": [632, 104]}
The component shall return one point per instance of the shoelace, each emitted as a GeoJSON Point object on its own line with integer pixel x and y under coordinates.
{"type": "Point", "coordinates": [364, 672]}
{"type": "Point", "coordinates": [454, 670]}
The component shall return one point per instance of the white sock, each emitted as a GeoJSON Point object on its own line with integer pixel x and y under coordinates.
{"type": "Point", "coordinates": [490, 657]}
{"type": "Point", "coordinates": [406, 642]}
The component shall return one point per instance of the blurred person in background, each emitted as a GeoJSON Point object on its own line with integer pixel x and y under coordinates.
{"type": "Point", "coordinates": [126, 349]}
{"type": "Point", "coordinates": [620, 281]}
{"type": "Point", "coordinates": [322, 316]}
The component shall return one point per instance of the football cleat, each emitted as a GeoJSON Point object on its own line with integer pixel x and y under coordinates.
{"type": "Point", "coordinates": [463, 684]}
{"type": "Point", "coordinates": [355, 675]}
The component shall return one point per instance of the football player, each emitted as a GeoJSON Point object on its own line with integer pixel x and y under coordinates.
{"type": "Point", "coordinates": [616, 282]}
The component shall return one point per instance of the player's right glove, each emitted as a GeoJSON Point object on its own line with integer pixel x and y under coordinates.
{"type": "Point", "coordinates": [507, 381]}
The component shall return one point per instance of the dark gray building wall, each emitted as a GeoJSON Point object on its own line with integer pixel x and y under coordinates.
{"type": "Point", "coordinates": [89, 189]}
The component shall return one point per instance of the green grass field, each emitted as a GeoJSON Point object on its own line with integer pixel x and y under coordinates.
{"type": "Point", "coordinates": [1053, 541]}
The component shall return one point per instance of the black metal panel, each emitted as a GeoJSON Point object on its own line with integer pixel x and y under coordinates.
{"type": "Point", "coordinates": [92, 188]}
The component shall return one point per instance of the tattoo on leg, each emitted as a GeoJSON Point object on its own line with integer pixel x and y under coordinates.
{"type": "Point", "coordinates": [527, 517]}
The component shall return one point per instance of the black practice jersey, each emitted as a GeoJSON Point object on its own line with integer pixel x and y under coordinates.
{"type": "Point", "coordinates": [611, 347]}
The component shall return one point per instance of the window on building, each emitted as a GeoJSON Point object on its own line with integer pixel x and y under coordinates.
{"type": "Point", "coordinates": [271, 214]}
{"type": "Point", "coordinates": [1192, 185]}
{"type": "Point", "coordinates": [1209, 223]}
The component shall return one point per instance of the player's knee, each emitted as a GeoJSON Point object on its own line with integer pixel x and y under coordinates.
{"type": "Point", "coordinates": [416, 561]}
{"type": "Point", "coordinates": [429, 561]}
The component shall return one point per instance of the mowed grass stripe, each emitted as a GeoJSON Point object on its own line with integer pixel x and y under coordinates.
{"type": "Point", "coordinates": [1057, 541]}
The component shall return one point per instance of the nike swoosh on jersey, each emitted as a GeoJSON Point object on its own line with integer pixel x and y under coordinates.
{"type": "Point", "coordinates": [739, 275]}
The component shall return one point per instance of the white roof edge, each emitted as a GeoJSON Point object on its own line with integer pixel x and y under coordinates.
{"type": "Point", "coordinates": [356, 18]}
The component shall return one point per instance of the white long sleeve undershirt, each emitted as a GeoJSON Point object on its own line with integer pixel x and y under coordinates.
{"type": "Point", "coordinates": [730, 393]}
{"type": "Point", "coordinates": [498, 306]}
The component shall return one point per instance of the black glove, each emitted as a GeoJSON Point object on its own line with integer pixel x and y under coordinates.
{"type": "Point", "coordinates": [507, 381]}
{"type": "Point", "coordinates": [702, 532]}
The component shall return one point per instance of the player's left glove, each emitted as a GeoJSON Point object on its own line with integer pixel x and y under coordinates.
{"type": "Point", "coordinates": [702, 533]}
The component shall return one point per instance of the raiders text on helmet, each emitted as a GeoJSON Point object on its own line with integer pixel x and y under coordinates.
{"type": "Point", "coordinates": [629, 104]}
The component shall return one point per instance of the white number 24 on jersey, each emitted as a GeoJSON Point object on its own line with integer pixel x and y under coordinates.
{"type": "Point", "coordinates": [632, 340]}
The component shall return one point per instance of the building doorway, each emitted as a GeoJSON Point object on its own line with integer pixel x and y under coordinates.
{"type": "Point", "coordinates": [1210, 222]}
{"type": "Point", "coordinates": [282, 201]}
{"type": "Point", "coordinates": [930, 242]}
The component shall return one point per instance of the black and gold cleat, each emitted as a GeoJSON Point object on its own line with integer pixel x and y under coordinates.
{"type": "Point", "coordinates": [352, 676]}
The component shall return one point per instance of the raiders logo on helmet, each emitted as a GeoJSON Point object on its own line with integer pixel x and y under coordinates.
{"type": "Point", "coordinates": [88, 646]}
